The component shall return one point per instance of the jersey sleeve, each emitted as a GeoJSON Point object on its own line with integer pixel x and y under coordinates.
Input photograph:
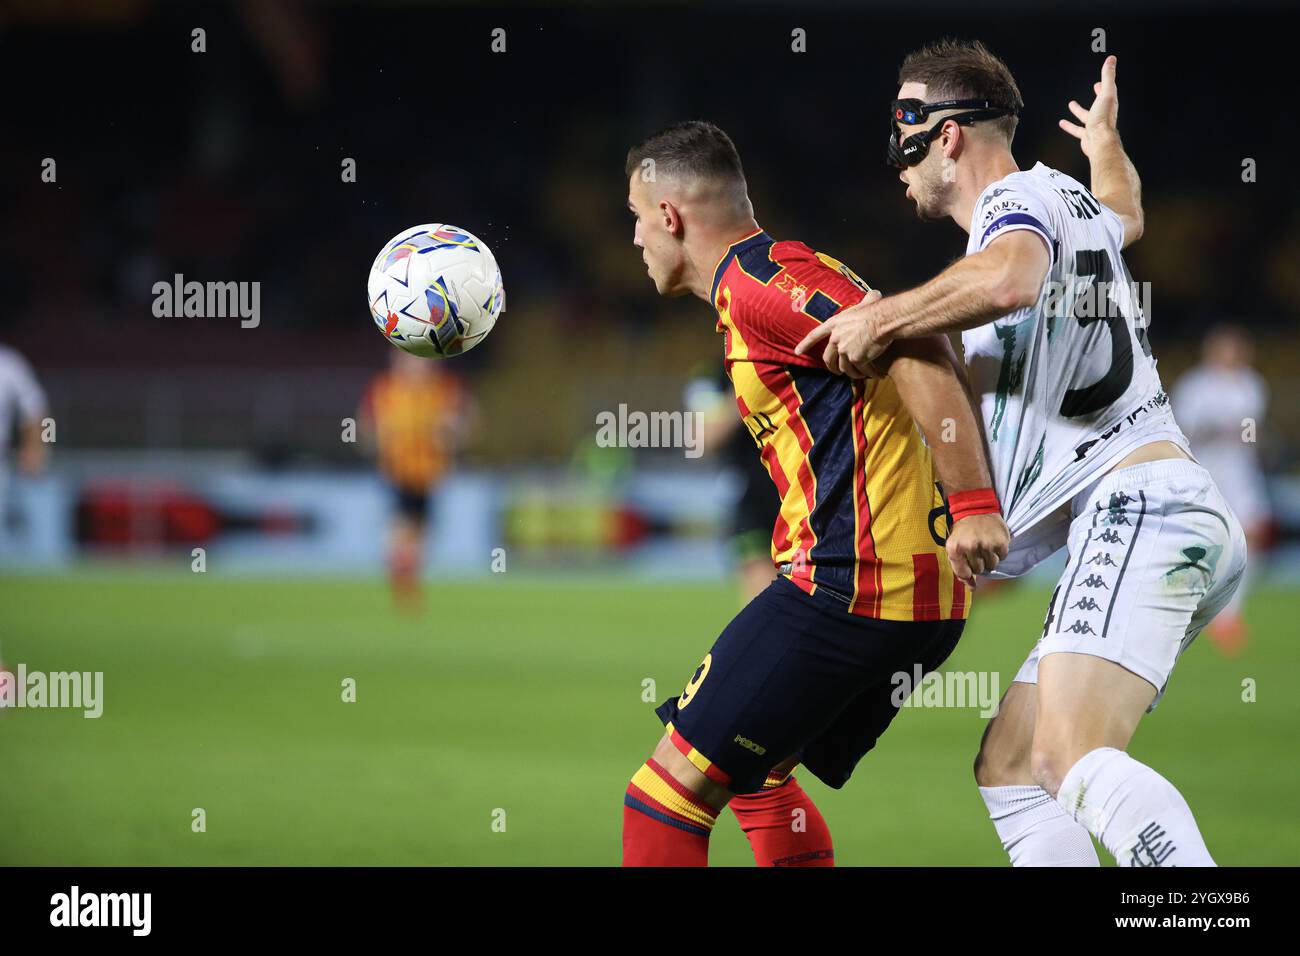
{"type": "Point", "coordinates": [1009, 208]}
{"type": "Point", "coordinates": [1114, 225]}
{"type": "Point", "coordinates": [805, 289]}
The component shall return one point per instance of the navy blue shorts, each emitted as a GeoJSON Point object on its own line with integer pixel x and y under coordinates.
{"type": "Point", "coordinates": [412, 504]}
{"type": "Point", "coordinates": [797, 674]}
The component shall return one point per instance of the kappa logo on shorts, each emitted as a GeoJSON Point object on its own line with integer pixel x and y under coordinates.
{"type": "Point", "coordinates": [1104, 559]}
{"type": "Point", "coordinates": [1110, 536]}
{"type": "Point", "coordinates": [1115, 510]}
{"type": "Point", "coordinates": [1095, 581]}
{"type": "Point", "coordinates": [1085, 603]}
{"type": "Point", "coordinates": [1081, 627]}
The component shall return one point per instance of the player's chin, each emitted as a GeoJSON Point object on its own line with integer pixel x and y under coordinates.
{"type": "Point", "coordinates": [927, 213]}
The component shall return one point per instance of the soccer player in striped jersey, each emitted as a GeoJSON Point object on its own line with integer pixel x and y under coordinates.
{"type": "Point", "coordinates": [1085, 451]}
{"type": "Point", "coordinates": [413, 417]}
{"type": "Point", "coordinates": [873, 580]}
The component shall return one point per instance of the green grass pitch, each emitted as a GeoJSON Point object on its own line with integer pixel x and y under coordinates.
{"type": "Point", "coordinates": [522, 696]}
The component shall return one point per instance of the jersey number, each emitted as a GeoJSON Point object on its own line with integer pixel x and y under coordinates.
{"type": "Point", "coordinates": [693, 685]}
{"type": "Point", "coordinates": [1092, 398]}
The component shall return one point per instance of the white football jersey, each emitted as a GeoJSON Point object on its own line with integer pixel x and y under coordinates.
{"type": "Point", "coordinates": [21, 395]}
{"type": "Point", "coordinates": [1067, 386]}
{"type": "Point", "coordinates": [1222, 411]}
{"type": "Point", "coordinates": [1215, 406]}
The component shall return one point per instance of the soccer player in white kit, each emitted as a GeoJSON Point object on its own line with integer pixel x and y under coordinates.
{"type": "Point", "coordinates": [1085, 451]}
{"type": "Point", "coordinates": [1221, 405]}
{"type": "Point", "coordinates": [21, 395]}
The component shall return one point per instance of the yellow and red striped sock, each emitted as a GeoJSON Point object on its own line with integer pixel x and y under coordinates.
{"type": "Point", "coordinates": [664, 823]}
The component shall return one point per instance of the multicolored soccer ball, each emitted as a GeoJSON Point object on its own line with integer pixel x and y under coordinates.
{"type": "Point", "coordinates": [435, 290]}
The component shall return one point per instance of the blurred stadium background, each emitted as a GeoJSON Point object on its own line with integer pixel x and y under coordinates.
{"type": "Point", "coordinates": [522, 690]}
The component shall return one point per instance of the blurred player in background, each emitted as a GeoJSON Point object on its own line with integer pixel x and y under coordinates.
{"type": "Point", "coordinates": [22, 408]}
{"type": "Point", "coordinates": [754, 513]}
{"type": "Point", "coordinates": [1221, 405]}
{"type": "Point", "coordinates": [867, 585]}
{"type": "Point", "coordinates": [413, 417]}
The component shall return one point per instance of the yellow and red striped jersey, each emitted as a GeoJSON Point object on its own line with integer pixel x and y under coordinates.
{"type": "Point", "coordinates": [412, 420]}
{"type": "Point", "coordinates": [861, 515]}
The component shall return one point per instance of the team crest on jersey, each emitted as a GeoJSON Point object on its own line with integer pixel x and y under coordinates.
{"type": "Point", "coordinates": [788, 285]}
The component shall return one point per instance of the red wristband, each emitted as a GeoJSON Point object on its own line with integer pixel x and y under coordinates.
{"type": "Point", "coordinates": [978, 501]}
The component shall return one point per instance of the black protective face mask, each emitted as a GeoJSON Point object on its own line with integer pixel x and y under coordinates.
{"type": "Point", "coordinates": [911, 112]}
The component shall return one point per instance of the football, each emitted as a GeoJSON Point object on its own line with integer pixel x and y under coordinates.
{"type": "Point", "coordinates": [435, 290]}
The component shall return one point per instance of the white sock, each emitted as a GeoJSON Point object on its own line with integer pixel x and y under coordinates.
{"type": "Point", "coordinates": [1035, 831]}
{"type": "Point", "coordinates": [1136, 814]}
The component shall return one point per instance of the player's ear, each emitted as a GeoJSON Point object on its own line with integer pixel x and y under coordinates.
{"type": "Point", "coordinates": [672, 218]}
{"type": "Point", "coordinates": [951, 140]}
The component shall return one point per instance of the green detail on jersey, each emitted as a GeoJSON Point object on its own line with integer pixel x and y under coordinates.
{"type": "Point", "coordinates": [1030, 475]}
{"type": "Point", "coordinates": [1010, 375]}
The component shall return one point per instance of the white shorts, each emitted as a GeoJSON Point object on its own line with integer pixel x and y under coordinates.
{"type": "Point", "coordinates": [1154, 554]}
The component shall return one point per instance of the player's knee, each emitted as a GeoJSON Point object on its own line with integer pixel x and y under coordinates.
{"type": "Point", "coordinates": [674, 762]}
{"type": "Point", "coordinates": [1049, 762]}
{"type": "Point", "coordinates": [997, 767]}
{"type": "Point", "coordinates": [984, 775]}
{"type": "Point", "coordinates": [1003, 757]}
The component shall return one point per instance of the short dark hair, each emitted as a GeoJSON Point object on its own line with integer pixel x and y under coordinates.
{"type": "Point", "coordinates": [695, 148]}
{"type": "Point", "coordinates": [964, 69]}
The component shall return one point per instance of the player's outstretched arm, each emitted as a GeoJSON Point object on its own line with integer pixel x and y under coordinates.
{"type": "Point", "coordinates": [1115, 180]}
{"type": "Point", "coordinates": [932, 384]}
{"type": "Point", "coordinates": [1005, 276]}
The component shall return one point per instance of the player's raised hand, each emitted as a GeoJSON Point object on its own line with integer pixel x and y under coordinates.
{"type": "Point", "coordinates": [1099, 121]}
{"type": "Point", "coordinates": [976, 544]}
{"type": "Point", "coordinates": [851, 343]}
